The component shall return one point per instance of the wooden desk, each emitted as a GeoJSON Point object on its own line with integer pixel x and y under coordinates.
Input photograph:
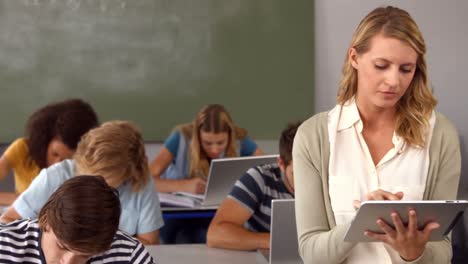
{"type": "Point", "coordinates": [202, 254]}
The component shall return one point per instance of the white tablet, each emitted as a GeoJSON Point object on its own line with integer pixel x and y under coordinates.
{"type": "Point", "coordinates": [446, 213]}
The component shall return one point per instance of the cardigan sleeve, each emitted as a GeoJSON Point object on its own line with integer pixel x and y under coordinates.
{"type": "Point", "coordinates": [443, 178]}
{"type": "Point", "coordinates": [318, 243]}
{"type": "Point", "coordinates": [442, 184]}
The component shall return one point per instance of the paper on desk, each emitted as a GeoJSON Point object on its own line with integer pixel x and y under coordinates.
{"type": "Point", "coordinates": [171, 199]}
{"type": "Point", "coordinates": [191, 195]}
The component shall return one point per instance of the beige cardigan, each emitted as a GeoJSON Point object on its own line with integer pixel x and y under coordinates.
{"type": "Point", "coordinates": [320, 240]}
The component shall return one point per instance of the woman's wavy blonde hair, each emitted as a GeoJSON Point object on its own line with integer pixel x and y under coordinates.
{"type": "Point", "coordinates": [114, 150]}
{"type": "Point", "coordinates": [212, 118]}
{"type": "Point", "coordinates": [416, 105]}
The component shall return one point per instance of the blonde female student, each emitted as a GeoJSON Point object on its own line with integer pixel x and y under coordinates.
{"type": "Point", "coordinates": [382, 141]}
{"type": "Point", "coordinates": [52, 133]}
{"type": "Point", "coordinates": [182, 164]}
{"type": "Point", "coordinates": [115, 151]}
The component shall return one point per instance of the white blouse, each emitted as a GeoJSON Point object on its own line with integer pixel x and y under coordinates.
{"type": "Point", "coordinates": [352, 174]}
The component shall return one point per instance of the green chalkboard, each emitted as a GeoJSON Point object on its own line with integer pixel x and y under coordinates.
{"type": "Point", "coordinates": [157, 62]}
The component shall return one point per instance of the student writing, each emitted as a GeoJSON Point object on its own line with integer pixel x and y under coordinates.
{"type": "Point", "coordinates": [182, 164]}
{"type": "Point", "coordinates": [115, 151]}
{"type": "Point", "coordinates": [52, 134]}
{"type": "Point", "coordinates": [184, 160]}
{"type": "Point", "coordinates": [78, 224]}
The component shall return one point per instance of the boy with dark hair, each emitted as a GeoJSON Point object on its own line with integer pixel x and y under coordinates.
{"type": "Point", "coordinates": [78, 224]}
{"type": "Point", "coordinates": [242, 221]}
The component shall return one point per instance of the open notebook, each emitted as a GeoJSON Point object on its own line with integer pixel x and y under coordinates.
{"type": "Point", "coordinates": [222, 175]}
{"type": "Point", "coordinates": [180, 199]}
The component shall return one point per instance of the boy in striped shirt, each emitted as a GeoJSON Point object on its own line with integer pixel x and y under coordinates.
{"type": "Point", "coordinates": [78, 224]}
{"type": "Point", "coordinates": [242, 221]}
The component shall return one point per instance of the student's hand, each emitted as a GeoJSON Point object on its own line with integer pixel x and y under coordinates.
{"type": "Point", "coordinates": [380, 195]}
{"type": "Point", "coordinates": [408, 241]}
{"type": "Point", "coordinates": [195, 185]}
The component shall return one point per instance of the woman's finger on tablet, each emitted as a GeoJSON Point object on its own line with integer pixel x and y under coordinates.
{"type": "Point", "coordinates": [377, 236]}
{"type": "Point", "coordinates": [384, 195]}
{"type": "Point", "coordinates": [386, 228]}
{"type": "Point", "coordinates": [412, 221]}
{"type": "Point", "coordinates": [399, 226]}
{"type": "Point", "coordinates": [427, 231]}
{"type": "Point", "coordinates": [356, 204]}
{"type": "Point", "coordinates": [399, 195]}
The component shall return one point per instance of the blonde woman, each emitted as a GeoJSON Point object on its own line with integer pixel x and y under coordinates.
{"type": "Point", "coordinates": [116, 152]}
{"type": "Point", "coordinates": [182, 164]}
{"type": "Point", "coordinates": [382, 141]}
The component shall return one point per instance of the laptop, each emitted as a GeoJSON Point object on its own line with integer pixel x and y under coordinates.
{"type": "Point", "coordinates": [224, 173]}
{"type": "Point", "coordinates": [284, 247]}
{"type": "Point", "coordinates": [222, 176]}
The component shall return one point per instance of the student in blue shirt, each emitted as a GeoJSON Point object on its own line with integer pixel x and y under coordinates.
{"type": "Point", "coordinates": [115, 151]}
{"type": "Point", "coordinates": [182, 164]}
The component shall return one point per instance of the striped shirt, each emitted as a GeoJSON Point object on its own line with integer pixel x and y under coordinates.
{"type": "Point", "coordinates": [255, 190]}
{"type": "Point", "coordinates": [20, 242]}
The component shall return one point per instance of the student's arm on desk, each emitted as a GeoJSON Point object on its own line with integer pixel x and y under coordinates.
{"type": "Point", "coordinates": [151, 238]}
{"type": "Point", "coordinates": [160, 164]}
{"type": "Point", "coordinates": [226, 229]}
{"type": "Point", "coordinates": [258, 152]}
{"type": "Point", "coordinates": [7, 198]}
{"type": "Point", "coordinates": [5, 167]}
{"type": "Point", "coordinates": [9, 215]}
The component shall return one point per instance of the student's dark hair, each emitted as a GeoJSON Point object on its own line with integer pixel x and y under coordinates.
{"type": "Point", "coordinates": [83, 213]}
{"type": "Point", "coordinates": [286, 142]}
{"type": "Point", "coordinates": [66, 120]}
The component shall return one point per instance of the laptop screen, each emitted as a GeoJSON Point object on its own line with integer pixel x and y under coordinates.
{"type": "Point", "coordinates": [224, 173]}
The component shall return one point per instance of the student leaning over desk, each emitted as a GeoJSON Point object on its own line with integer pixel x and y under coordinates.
{"type": "Point", "coordinates": [78, 224]}
{"type": "Point", "coordinates": [182, 164]}
{"type": "Point", "coordinates": [382, 141]}
{"type": "Point", "coordinates": [243, 218]}
{"type": "Point", "coordinates": [52, 134]}
{"type": "Point", "coordinates": [115, 151]}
